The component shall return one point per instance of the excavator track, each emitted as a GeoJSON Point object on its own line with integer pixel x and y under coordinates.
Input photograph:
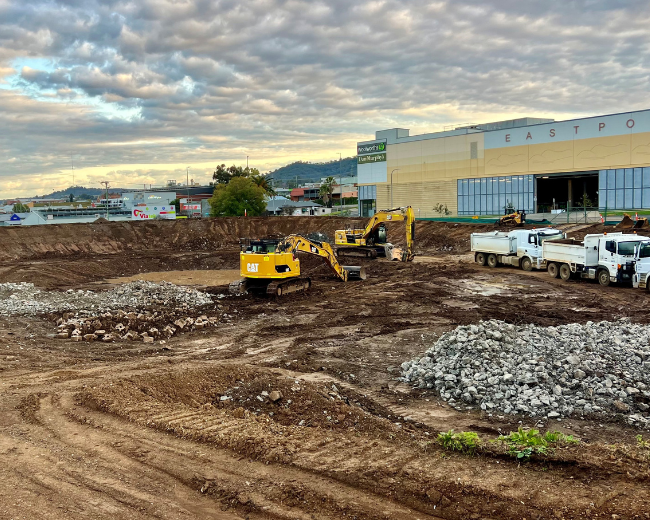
{"type": "Point", "coordinates": [358, 251]}
{"type": "Point", "coordinates": [281, 287]}
{"type": "Point", "coordinates": [238, 287]}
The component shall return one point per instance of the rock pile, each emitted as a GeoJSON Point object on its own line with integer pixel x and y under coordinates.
{"type": "Point", "coordinates": [25, 299]}
{"type": "Point", "coordinates": [596, 369]}
{"type": "Point", "coordinates": [131, 326]}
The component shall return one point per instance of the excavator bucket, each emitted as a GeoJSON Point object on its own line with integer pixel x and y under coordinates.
{"type": "Point", "coordinates": [626, 223]}
{"type": "Point", "coordinates": [642, 223]}
{"type": "Point", "coordinates": [355, 272]}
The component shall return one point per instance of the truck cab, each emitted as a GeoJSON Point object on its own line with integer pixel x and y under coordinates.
{"type": "Point", "coordinates": [529, 243]}
{"type": "Point", "coordinates": [618, 252]}
{"type": "Point", "coordinates": [641, 277]}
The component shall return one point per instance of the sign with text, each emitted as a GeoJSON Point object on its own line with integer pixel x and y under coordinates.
{"type": "Point", "coordinates": [370, 148]}
{"type": "Point", "coordinates": [366, 159]}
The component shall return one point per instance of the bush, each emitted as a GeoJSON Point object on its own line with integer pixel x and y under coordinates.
{"type": "Point", "coordinates": [238, 196]}
{"type": "Point", "coordinates": [465, 442]}
{"type": "Point", "coordinates": [523, 444]}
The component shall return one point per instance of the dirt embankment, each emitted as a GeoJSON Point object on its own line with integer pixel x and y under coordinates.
{"type": "Point", "coordinates": [38, 242]}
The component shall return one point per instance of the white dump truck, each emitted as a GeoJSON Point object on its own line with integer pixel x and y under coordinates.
{"type": "Point", "coordinates": [521, 247]}
{"type": "Point", "coordinates": [609, 257]}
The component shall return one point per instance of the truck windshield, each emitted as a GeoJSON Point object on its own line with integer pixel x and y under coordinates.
{"type": "Point", "coordinates": [644, 251]}
{"type": "Point", "coordinates": [543, 238]}
{"type": "Point", "coordinates": [627, 248]}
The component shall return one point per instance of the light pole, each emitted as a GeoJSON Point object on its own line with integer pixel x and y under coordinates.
{"type": "Point", "coordinates": [391, 187]}
{"type": "Point", "coordinates": [340, 184]}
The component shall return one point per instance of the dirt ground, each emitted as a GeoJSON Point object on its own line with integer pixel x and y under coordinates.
{"type": "Point", "coordinates": [188, 429]}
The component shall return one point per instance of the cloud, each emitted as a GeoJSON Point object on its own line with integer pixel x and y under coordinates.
{"type": "Point", "coordinates": [165, 82]}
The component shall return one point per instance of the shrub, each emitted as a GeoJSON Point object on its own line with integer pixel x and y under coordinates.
{"type": "Point", "coordinates": [465, 442]}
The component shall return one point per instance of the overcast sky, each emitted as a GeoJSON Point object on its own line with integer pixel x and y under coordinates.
{"type": "Point", "coordinates": [134, 92]}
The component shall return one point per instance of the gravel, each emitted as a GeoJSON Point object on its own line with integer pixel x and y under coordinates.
{"type": "Point", "coordinates": [25, 299]}
{"type": "Point", "coordinates": [592, 369]}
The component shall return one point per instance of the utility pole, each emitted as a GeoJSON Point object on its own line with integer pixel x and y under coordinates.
{"type": "Point", "coordinates": [340, 184]}
{"type": "Point", "coordinates": [391, 187]}
{"type": "Point", "coordinates": [106, 185]}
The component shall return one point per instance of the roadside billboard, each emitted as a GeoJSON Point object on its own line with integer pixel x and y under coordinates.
{"type": "Point", "coordinates": [149, 212]}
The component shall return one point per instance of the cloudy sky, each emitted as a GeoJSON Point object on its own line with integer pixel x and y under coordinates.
{"type": "Point", "coordinates": [136, 91]}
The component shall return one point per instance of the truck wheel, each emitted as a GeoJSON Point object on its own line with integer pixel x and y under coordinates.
{"type": "Point", "coordinates": [526, 264]}
{"type": "Point", "coordinates": [492, 260]}
{"type": "Point", "coordinates": [480, 258]}
{"type": "Point", "coordinates": [553, 270]}
{"type": "Point", "coordinates": [565, 272]}
{"type": "Point", "coordinates": [603, 277]}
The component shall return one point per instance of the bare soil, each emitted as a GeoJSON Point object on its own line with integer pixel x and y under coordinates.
{"type": "Point", "coordinates": [185, 429]}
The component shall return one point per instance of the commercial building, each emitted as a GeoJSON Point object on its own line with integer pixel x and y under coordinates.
{"type": "Point", "coordinates": [536, 165]}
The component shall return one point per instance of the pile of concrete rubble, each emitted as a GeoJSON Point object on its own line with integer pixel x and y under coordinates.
{"type": "Point", "coordinates": [26, 299]}
{"type": "Point", "coordinates": [592, 369]}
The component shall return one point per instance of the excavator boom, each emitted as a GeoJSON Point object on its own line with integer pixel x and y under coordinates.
{"type": "Point", "coordinates": [298, 243]}
{"type": "Point", "coordinates": [372, 239]}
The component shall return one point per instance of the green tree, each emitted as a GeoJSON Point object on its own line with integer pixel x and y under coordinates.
{"type": "Point", "coordinates": [239, 194]}
{"type": "Point", "coordinates": [263, 182]}
{"type": "Point", "coordinates": [177, 205]}
{"type": "Point", "coordinates": [71, 198]}
{"type": "Point", "coordinates": [326, 190]}
{"type": "Point", "coordinates": [223, 175]}
{"type": "Point", "coordinates": [20, 208]}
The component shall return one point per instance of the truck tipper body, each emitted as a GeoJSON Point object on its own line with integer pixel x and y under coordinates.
{"type": "Point", "coordinates": [521, 247]}
{"type": "Point", "coordinates": [606, 257]}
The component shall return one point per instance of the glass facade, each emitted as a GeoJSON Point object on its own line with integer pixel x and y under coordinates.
{"type": "Point", "coordinates": [491, 195]}
{"type": "Point", "coordinates": [624, 188]}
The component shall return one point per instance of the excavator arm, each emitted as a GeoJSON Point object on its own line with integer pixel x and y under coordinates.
{"type": "Point", "coordinates": [391, 215]}
{"type": "Point", "coordinates": [298, 243]}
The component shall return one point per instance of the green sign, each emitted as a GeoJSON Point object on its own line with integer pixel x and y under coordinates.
{"type": "Point", "coordinates": [375, 157]}
{"type": "Point", "coordinates": [371, 148]}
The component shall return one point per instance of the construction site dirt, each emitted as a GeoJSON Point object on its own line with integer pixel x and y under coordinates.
{"type": "Point", "coordinates": [287, 407]}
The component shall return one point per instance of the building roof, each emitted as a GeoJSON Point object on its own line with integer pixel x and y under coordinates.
{"type": "Point", "coordinates": [277, 202]}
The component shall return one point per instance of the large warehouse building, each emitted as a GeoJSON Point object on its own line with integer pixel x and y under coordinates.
{"type": "Point", "coordinates": [536, 165]}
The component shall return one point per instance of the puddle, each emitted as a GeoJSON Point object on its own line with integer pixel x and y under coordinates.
{"type": "Point", "coordinates": [200, 277]}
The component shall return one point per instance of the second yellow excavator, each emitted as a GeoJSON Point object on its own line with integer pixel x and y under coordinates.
{"type": "Point", "coordinates": [272, 266]}
{"type": "Point", "coordinates": [371, 241]}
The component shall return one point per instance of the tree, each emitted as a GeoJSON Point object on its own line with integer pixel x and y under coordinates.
{"type": "Point", "coordinates": [239, 194]}
{"type": "Point", "coordinates": [263, 182]}
{"type": "Point", "coordinates": [177, 205]}
{"type": "Point", "coordinates": [223, 175]}
{"type": "Point", "coordinates": [19, 207]}
{"type": "Point", "coordinates": [71, 197]}
{"type": "Point", "coordinates": [326, 190]}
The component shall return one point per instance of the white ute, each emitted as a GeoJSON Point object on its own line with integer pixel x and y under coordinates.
{"type": "Point", "coordinates": [521, 247]}
{"type": "Point", "coordinates": [607, 257]}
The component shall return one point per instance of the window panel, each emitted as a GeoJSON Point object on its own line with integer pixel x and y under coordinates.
{"type": "Point", "coordinates": [602, 180]}
{"type": "Point", "coordinates": [646, 177]}
{"type": "Point", "coordinates": [483, 186]}
{"type": "Point", "coordinates": [611, 179]}
{"type": "Point", "coordinates": [620, 179]}
{"type": "Point", "coordinates": [645, 199]}
{"type": "Point", "coordinates": [628, 199]}
{"type": "Point", "coordinates": [471, 204]}
{"type": "Point", "coordinates": [459, 187]}
{"type": "Point", "coordinates": [471, 188]}
{"type": "Point", "coordinates": [484, 204]}
{"type": "Point", "coordinates": [531, 203]}
{"type": "Point", "coordinates": [620, 198]}
{"type": "Point", "coordinates": [638, 177]}
{"type": "Point", "coordinates": [629, 177]}
{"type": "Point", "coordinates": [489, 186]}
{"type": "Point", "coordinates": [637, 198]}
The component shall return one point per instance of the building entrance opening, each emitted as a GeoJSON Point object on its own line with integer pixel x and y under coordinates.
{"type": "Point", "coordinates": [563, 191]}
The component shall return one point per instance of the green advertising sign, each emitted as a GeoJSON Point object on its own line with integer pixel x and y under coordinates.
{"type": "Point", "coordinates": [376, 157]}
{"type": "Point", "coordinates": [371, 148]}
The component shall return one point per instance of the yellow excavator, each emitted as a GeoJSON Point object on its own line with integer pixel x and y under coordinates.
{"type": "Point", "coordinates": [371, 241]}
{"type": "Point", "coordinates": [518, 218]}
{"type": "Point", "coordinates": [272, 266]}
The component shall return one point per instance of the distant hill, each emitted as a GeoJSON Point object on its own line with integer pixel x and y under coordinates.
{"type": "Point", "coordinates": [79, 192]}
{"type": "Point", "coordinates": [313, 172]}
